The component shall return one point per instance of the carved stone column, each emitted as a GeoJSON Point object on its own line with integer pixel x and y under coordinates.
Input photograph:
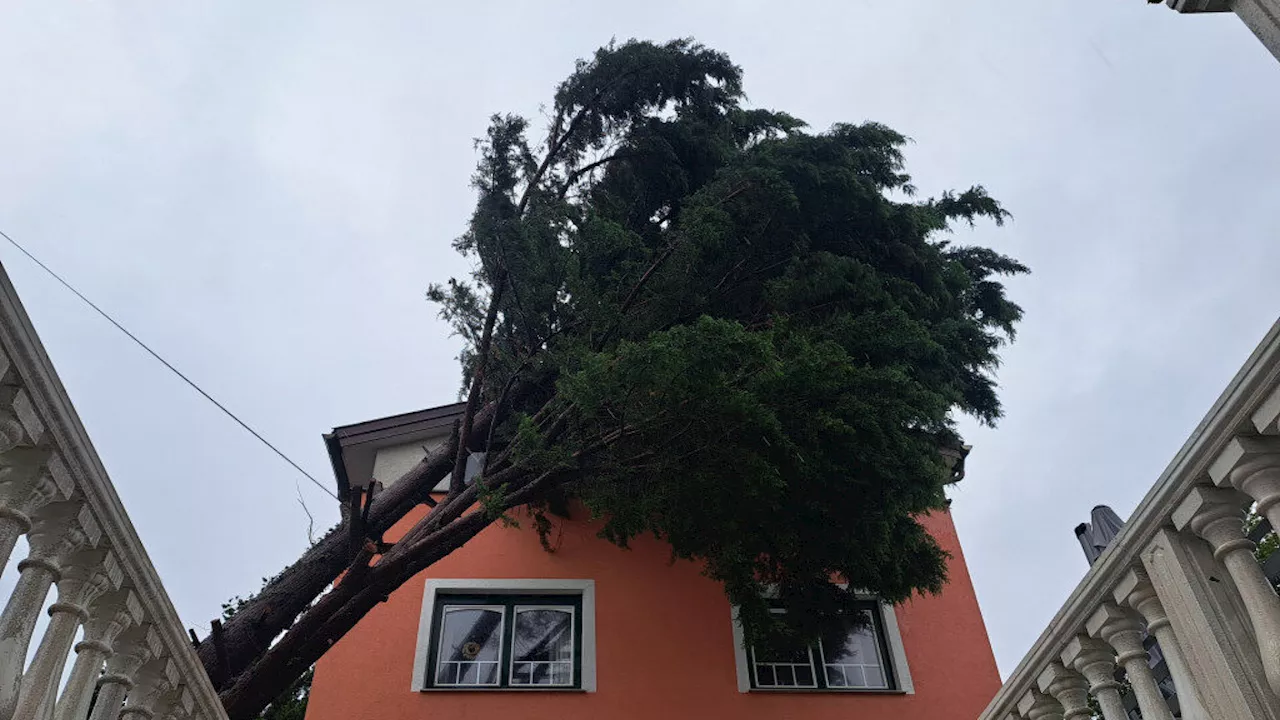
{"type": "Point", "coordinates": [30, 478]}
{"type": "Point", "coordinates": [1069, 688]}
{"type": "Point", "coordinates": [155, 681]}
{"type": "Point", "coordinates": [1252, 466]}
{"type": "Point", "coordinates": [1135, 591]}
{"type": "Point", "coordinates": [58, 531]}
{"type": "Point", "coordinates": [1036, 705]}
{"type": "Point", "coordinates": [135, 647]}
{"type": "Point", "coordinates": [1213, 632]}
{"type": "Point", "coordinates": [85, 576]}
{"type": "Point", "coordinates": [109, 615]}
{"type": "Point", "coordinates": [1123, 632]}
{"type": "Point", "coordinates": [1218, 516]}
{"type": "Point", "coordinates": [177, 705]}
{"type": "Point", "coordinates": [20, 431]}
{"type": "Point", "coordinates": [1096, 661]}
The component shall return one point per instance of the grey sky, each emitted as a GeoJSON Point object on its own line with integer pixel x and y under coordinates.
{"type": "Point", "coordinates": [263, 192]}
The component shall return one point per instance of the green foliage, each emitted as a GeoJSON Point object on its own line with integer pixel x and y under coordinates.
{"type": "Point", "coordinates": [743, 337]}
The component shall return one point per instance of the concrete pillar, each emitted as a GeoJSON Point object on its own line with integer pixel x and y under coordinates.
{"type": "Point", "coordinates": [1135, 591]}
{"type": "Point", "coordinates": [109, 615]}
{"type": "Point", "coordinates": [85, 576]}
{"type": "Point", "coordinates": [1096, 661]}
{"type": "Point", "coordinates": [1218, 516]}
{"type": "Point", "coordinates": [1035, 705]}
{"type": "Point", "coordinates": [1069, 688]}
{"type": "Point", "coordinates": [135, 647]}
{"type": "Point", "coordinates": [1214, 636]}
{"type": "Point", "coordinates": [30, 478]}
{"type": "Point", "coordinates": [1252, 466]}
{"type": "Point", "coordinates": [155, 681]}
{"type": "Point", "coordinates": [58, 531]}
{"type": "Point", "coordinates": [1122, 631]}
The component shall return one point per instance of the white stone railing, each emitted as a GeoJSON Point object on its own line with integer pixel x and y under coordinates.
{"type": "Point", "coordinates": [1183, 571]}
{"type": "Point", "coordinates": [1261, 16]}
{"type": "Point", "coordinates": [55, 492]}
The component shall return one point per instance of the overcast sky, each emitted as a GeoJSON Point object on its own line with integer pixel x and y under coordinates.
{"type": "Point", "coordinates": [263, 192]}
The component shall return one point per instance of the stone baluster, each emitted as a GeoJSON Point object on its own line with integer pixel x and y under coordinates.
{"type": "Point", "coordinates": [109, 615]}
{"type": "Point", "coordinates": [1136, 591]}
{"type": "Point", "coordinates": [21, 430]}
{"type": "Point", "coordinates": [1217, 515]}
{"type": "Point", "coordinates": [85, 576]}
{"type": "Point", "coordinates": [30, 478]}
{"type": "Point", "coordinates": [58, 531]}
{"type": "Point", "coordinates": [1068, 688]}
{"type": "Point", "coordinates": [1122, 631]}
{"type": "Point", "coordinates": [155, 681]}
{"type": "Point", "coordinates": [1252, 466]}
{"type": "Point", "coordinates": [135, 647]}
{"type": "Point", "coordinates": [20, 424]}
{"type": "Point", "coordinates": [179, 705]}
{"type": "Point", "coordinates": [1096, 661]}
{"type": "Point", "coordinates": [1035, 705]}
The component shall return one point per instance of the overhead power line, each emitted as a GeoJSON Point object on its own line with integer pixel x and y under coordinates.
{"type": "Point", "coordinates": [170, 366]}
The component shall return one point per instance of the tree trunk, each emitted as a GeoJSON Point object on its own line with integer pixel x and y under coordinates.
{"type": "Point", "coordinates": [272, 672]}
{"type": "Point", "coordinates": [248, 634]}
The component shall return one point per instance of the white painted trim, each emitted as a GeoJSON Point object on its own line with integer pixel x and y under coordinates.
{"type": "Point", "coordinates": [897, 651]}
{"type": "Point", "coordinates": [740, 660]}
{"type": "Point", "coordinates": [893, 637]}
{"type": "Point", "coordinates": [502, 629]}
{"type": "Point", "coordinates": [502, 586]}
{"type": "Point", "coordinates": [515, 621]}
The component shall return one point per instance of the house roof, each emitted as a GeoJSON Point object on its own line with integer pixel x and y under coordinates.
{"type": "Point", "coordinates": [352, 447]}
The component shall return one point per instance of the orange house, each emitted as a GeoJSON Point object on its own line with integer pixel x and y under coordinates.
{"type": "Point", "coordinates": [504, 629]}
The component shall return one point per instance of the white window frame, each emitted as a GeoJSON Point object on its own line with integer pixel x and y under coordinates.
{"type": "Point", "coordinates": [896, 663]}
{"type": "Point", "coordinates": [813, 673]}
{"type": "Point", "coordinates": [511, 662]}
{"type": "Point", "coordinates": [502, 629]}
{"type": "Point", "coordinates": [437, 587]}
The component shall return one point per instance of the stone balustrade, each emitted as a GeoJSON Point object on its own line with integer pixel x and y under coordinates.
{"type": "Point", "coordinates": [1183, 572]}
{"type": "Point", "coordinates": [132, 647]}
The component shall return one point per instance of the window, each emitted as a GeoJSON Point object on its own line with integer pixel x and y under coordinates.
{"type": "Point", "coordinates": [865, 654]}
{"type": "Point", "coordinates": [507, 635]}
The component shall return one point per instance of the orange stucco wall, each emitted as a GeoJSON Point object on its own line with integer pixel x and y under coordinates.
{"type": "Point", "coordinates": [664, 645]}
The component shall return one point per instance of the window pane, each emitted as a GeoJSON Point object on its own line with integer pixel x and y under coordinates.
{"type": "Point", "coordinates": [855, 653]}
{"type": "Point", "coordinates": [781, 666]}
{"type": "Point", "coordinates": [470, 643]}
{"type": "Point", "coordinates": [542, 646]}
{"type": "Point", "coordinates": [782, 651]}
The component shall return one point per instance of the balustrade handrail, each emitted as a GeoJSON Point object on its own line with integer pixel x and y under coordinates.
{"type": "Point", "coordinates": [65, 432]}
{"type": "Point", "coordinates": [1232, 414]}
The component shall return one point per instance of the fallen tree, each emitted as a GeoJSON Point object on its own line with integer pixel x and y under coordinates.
{"type": "Point", "coordinates": [694, 319]}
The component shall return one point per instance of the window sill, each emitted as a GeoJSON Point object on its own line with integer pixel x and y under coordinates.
{"type": "Point", "coordinates": [502, 690]}
{"type": "Point", "coordinates": [829, 691]}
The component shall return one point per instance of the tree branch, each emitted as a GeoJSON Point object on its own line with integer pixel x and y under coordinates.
{"type": "Point", "coordinates": [477, 385]}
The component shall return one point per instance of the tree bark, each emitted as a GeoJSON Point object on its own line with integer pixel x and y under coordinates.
{"type": "Point", "coordinates": [339, 611]}
{"type": "Point", "coordinates": [248, 633]}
